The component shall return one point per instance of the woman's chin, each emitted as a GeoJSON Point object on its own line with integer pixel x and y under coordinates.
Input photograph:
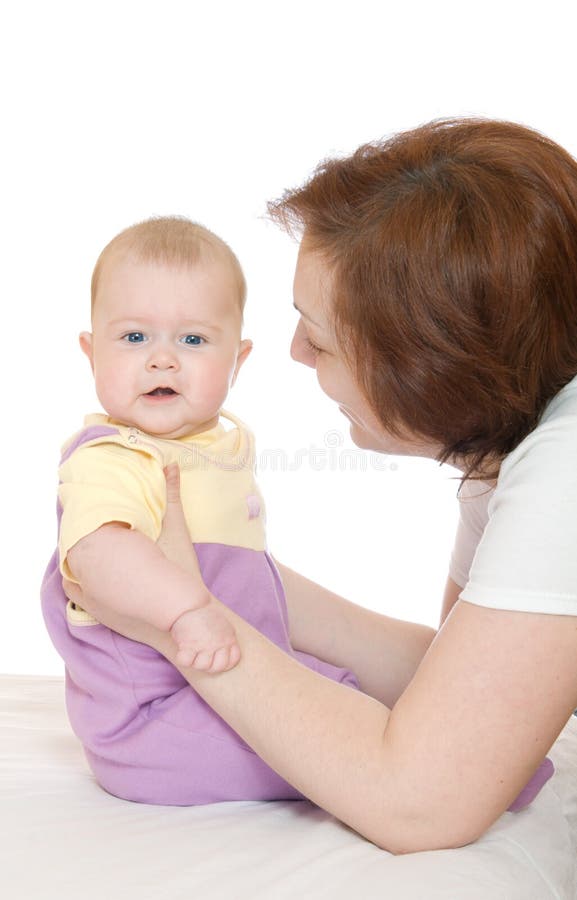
{"type": "Point", "coordinates": [360, 437]}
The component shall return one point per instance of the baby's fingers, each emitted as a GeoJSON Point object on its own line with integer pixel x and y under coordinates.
{"type": "Point", "coordinates": [234, 655]}
{"type": "Point", "coordinates": [185, 657]}
{"type": "Point", "coordinates": [203, 661]}
{"type": "Point", "coordinates": [225, 659]}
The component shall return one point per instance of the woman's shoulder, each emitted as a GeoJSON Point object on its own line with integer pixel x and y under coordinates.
{"type": "Point", "coordinates": [525, 558]}
{"type": "Point", "coordinates": [548, 453]}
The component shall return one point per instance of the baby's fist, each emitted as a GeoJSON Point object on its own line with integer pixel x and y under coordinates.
{"type": "Point", "coordinates": [206, 640]}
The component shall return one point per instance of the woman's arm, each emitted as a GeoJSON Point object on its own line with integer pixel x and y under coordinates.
{"type": "Point", "coordinates": [489, 698]}
{"type": "Point", "coordinates": [383, 652]}
{"type": "Point", "coordinates": [450, 597]}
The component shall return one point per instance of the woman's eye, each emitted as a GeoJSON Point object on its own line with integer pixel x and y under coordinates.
{"type": "Point", "coordinates": [193, 340]}
{"type": "Point", "coordinates": [133, 337]}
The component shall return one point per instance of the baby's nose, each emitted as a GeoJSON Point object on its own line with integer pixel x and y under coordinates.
{"type": "Point", "coordinates": [162, 357]}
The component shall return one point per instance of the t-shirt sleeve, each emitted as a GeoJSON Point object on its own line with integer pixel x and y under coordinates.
{"type": "Point", "coordinates": [108, 483]}
{"type": "Point", "coordinates": [473, 499]}
{"type": "Point", "coordinates": [526, 557]}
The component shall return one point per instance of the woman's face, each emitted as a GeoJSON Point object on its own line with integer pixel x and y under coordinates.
{"type": "Point", "coordinates": [314, 344]}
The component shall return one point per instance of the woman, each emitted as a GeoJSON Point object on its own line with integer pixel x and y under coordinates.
{"type": "Point", "coordinates": [437, 287]}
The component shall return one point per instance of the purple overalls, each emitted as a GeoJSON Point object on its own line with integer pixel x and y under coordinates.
{"type": "Point", "coordinates": [147, 735]}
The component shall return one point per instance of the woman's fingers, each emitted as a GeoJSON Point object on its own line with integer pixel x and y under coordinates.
{"type": "Point", "coordinates": [174, 518]}
{"type": "Point", "coordinates": [174, 539]}
{"type": "Point", "coordinates": [172, 476]}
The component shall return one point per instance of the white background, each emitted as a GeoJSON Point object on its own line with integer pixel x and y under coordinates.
{"type": "Point", "coordinates": [115, 111]}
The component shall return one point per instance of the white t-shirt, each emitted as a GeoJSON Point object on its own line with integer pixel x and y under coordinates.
{"type": "Point", "coordinates": [516, 544]}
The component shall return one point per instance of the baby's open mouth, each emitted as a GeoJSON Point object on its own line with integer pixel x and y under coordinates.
{"type": "Point", "coordinates": [161, 391]}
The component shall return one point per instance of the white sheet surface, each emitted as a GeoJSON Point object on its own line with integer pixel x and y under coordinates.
{"type": "Point", "coordinates": [62, 837]}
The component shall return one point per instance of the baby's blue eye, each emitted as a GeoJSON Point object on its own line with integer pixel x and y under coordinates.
{"type": "Point", "coordinates": [193, 340]}
{"type": "Point", "coordinates": [134, 337]}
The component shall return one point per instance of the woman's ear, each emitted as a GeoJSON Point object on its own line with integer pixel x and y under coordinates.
{"type": "Point", "coordinates": [243, 353]}
{"type": "Point", "coordinates": [85, 341]}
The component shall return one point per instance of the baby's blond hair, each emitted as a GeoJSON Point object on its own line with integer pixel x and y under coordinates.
{"type": "Point", "coordinates": [174, 240]}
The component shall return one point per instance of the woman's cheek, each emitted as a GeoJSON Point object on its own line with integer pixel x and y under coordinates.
{"type": "Point", "coordinates": [327, 382]}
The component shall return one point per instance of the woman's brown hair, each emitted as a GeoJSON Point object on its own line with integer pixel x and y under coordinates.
{"type": "Point", "coordinates": [454, 251]}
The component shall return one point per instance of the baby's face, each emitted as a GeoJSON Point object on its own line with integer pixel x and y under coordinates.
{"type": "Point", "coordinates": [165, 347]}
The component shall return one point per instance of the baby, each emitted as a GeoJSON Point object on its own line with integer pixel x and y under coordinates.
{"type": "Point", "coordinates": [165, 348]}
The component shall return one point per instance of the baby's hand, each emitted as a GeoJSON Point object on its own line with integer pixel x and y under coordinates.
{"type": "Point", "coordinates": [206, 640]}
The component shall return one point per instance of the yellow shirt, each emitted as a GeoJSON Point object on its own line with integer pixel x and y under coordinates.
{"type": "Point", "coordinates": [119, 478]}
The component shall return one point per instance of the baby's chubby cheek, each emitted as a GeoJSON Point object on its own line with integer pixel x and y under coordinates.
{"type": "Point", "coordinates": [109, 390]}
{"type": "Point", "coordinates": [214, 386]}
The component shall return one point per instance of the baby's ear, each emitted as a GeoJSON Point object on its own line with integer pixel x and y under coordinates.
{"type": "Point", "coordinates": [85, 341]}
{"type": "Point", "coordinates": [243, 353]}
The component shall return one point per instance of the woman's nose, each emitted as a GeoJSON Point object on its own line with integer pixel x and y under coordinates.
{"type": "Point", "coordinates": [299, 350]}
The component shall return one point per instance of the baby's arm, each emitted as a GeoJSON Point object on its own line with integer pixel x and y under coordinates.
{"type": "Point", "coordinates": [124, 570]}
